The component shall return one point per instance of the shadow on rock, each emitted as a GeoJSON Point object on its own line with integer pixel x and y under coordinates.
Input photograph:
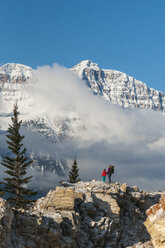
{"type": "Point", "coordinates": [99, 226]}
{"type": "Point", "coordinates": [132, 217]}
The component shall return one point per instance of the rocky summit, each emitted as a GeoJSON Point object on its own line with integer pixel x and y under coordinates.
{"type": "Point", "coordinates": [86, 215]}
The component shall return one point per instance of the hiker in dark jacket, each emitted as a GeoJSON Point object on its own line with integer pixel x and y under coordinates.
{"type": "Point", "coordinates": [109, 173]}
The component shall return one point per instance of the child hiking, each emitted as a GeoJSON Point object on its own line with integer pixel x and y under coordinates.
{"type": "Point", "coordinates": [104, 175]}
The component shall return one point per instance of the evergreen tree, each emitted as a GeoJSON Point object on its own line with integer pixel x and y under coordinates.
{"type": "Point", "coordinates": [73, 174]}
{"type": "Point", "coordinates": [1, 191]}
{"type": "Point", "coordinates": [16, 163]}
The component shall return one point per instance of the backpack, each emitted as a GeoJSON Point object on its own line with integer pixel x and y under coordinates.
{"type": "Point", "coordinates": [111, 171]}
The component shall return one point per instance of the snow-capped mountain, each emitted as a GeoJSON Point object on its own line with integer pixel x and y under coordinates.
{"type": "Point", "coordinates": [15, 73]}
{"type": "Point", "coordinates": [116, 87]}
{"type": "Point", "coordinates": [119, 88]}
{"type": "Point", "coordinates": [43, 130]}
{"type": "Point", "coordinates": [14, 80]}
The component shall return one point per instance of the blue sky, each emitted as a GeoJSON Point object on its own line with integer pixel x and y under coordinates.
{"type": "Point", "coordinates": [126, 35]}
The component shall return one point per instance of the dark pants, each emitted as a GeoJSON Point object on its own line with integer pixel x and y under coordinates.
{"type": "Point", "coordinates": [109, 177]}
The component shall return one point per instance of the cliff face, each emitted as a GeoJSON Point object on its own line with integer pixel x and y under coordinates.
{"type": "Point", "coordinates": [90, 214]}
{"type": "Point", "coordinates": [155, 223]}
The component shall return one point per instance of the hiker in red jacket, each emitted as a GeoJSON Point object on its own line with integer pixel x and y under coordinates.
{"type": "Point", "coordinates": [104, 175]}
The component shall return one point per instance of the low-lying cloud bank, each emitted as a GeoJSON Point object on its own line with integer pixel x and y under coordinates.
{"type": "Point", "coordinates": [131, 139]}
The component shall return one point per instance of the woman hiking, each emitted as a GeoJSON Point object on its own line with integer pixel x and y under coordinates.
{"type": "Point", "coordinates": [104, 175]}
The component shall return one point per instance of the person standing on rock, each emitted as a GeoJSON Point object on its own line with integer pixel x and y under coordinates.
{"type": "Point", "coordinates": [109, 173]}
{"type": "Point", "coordinates": [104, 175]}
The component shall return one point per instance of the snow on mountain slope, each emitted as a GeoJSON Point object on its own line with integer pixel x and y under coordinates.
{"type": "Point", "coordinates": [17, 73]}
{"type": "Point", "coordinates": [119, 88]}
{"type": "Point", "coordinates": [42, 131]}
{"type": "Point", "coordinates": [14, 81]}
{"type": "Point", "coordinates": [114, 86]}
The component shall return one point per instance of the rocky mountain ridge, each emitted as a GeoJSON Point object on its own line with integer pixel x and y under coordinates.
{"type": "Point", "coordinates": [115, 86]}
{"type": "Point", "coordinates": [119, 88]}
{"type": "Point", "coordinates": [84, 215]}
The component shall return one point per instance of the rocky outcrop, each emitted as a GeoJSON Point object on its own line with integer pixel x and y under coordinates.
{"type": "Point", "coordinates": [84, 215]}
{"type": "Point", "coordinates": [155, 223]}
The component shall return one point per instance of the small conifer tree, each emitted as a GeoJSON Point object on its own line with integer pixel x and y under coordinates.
{"type": "Point", "coordinates": [73, 174]}
{"type": "Point", "coordinates": [16, 163]}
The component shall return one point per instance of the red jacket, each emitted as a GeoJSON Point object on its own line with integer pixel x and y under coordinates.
{"type": "Point", "coordinates": [104, 173]}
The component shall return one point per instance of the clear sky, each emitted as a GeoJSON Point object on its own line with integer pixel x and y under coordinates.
{"type": "Point", "coordinates": [126, 35]}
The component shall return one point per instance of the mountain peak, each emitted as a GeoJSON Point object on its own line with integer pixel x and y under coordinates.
{"type": "Point", "coordinates": [86, 64]}
{"type": "Point", "coordinates": [9, 67]}
{"type": "Point", "coordinates": [15, 73]}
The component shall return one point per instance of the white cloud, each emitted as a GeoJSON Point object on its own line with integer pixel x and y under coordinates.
{"type": "Point", "coordinates": [133, 140]}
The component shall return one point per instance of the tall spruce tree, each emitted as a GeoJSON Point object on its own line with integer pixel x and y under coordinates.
{"type": "Point", "coordinates": [16, 163]}
{"type": "Point", "coordinates": [73, 174]}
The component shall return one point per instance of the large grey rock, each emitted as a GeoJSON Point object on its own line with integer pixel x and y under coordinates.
{"type": "Point", "coordinates": [86, 215]}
